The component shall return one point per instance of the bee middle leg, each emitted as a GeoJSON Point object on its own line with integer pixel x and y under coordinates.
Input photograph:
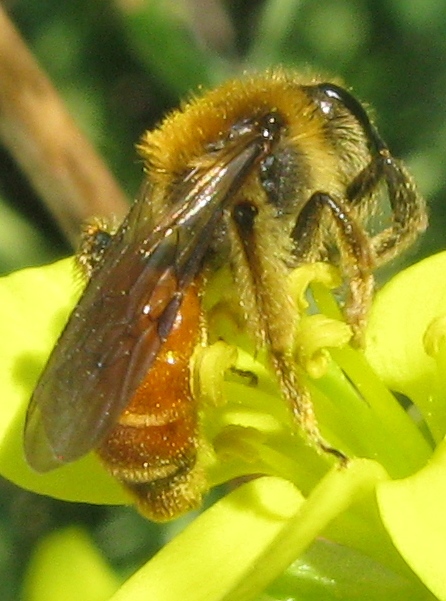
{"type": "Point", "coordinates": [262, 277]}
{"type": "Point", "coordinates": [299, 398]}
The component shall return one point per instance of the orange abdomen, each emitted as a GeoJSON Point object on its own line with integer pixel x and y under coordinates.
{"type": "Point", "coordinates": [152, 449]}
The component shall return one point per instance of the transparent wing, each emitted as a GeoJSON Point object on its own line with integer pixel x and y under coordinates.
{"type": "Point", "coordinates": [126, 312]}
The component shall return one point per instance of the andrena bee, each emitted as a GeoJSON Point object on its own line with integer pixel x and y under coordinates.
{"type": "Point", "coordinates": [263, 173]}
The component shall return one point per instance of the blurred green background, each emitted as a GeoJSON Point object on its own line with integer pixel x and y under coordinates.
{"type": "Point", "coordinates": [120, 65]}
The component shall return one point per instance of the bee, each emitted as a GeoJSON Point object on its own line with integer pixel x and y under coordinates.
{"type": "Point", "coordinates": [262, 174]}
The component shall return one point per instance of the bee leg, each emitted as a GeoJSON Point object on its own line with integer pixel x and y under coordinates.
{"type": "Point", "coordinates": [299, 399]}
{"type": "Point", "coordinates": [356, 256]}
{"type": "Point", "coordinates": [265, 282]}
{"type": "Point", "coordinates": [95, 238]}
{"type": "Point", "coordinates": [409, 215]}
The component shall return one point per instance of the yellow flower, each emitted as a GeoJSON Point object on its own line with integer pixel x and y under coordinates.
{"type": "Point", "coordinates": [375, 528]}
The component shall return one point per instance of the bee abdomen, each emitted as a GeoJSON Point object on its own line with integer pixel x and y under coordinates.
{"type": "Point", "coordinates": [152, 449]}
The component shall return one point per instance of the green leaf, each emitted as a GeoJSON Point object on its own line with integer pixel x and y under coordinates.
{"type": "Point", "coordinates": [332, 572]}
{"type": "Point", "coordinates": [66, 565]}
{"type": "Point", "coordinates": [276, 19]}
{"type": "Point", "coordinates": [161, 37]}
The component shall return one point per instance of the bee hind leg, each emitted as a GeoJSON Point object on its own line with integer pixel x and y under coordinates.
{"type": "Point", "coordinates": [95, 238]}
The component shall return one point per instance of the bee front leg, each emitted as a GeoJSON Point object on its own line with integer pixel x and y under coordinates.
{"type": "Point", "coordinates": [409, 215]}
{"type": "Point", "coordinates": [356, 255]}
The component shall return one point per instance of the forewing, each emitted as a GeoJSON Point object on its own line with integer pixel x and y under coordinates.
{"type": "Point", "coordinates": [125, 314]}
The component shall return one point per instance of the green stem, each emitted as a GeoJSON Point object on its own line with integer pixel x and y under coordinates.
{"type": "Point", "coordinates": [402, 434]}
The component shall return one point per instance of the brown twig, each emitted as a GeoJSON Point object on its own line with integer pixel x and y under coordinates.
{"type": "Point", "coordinates": [35, 127]}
